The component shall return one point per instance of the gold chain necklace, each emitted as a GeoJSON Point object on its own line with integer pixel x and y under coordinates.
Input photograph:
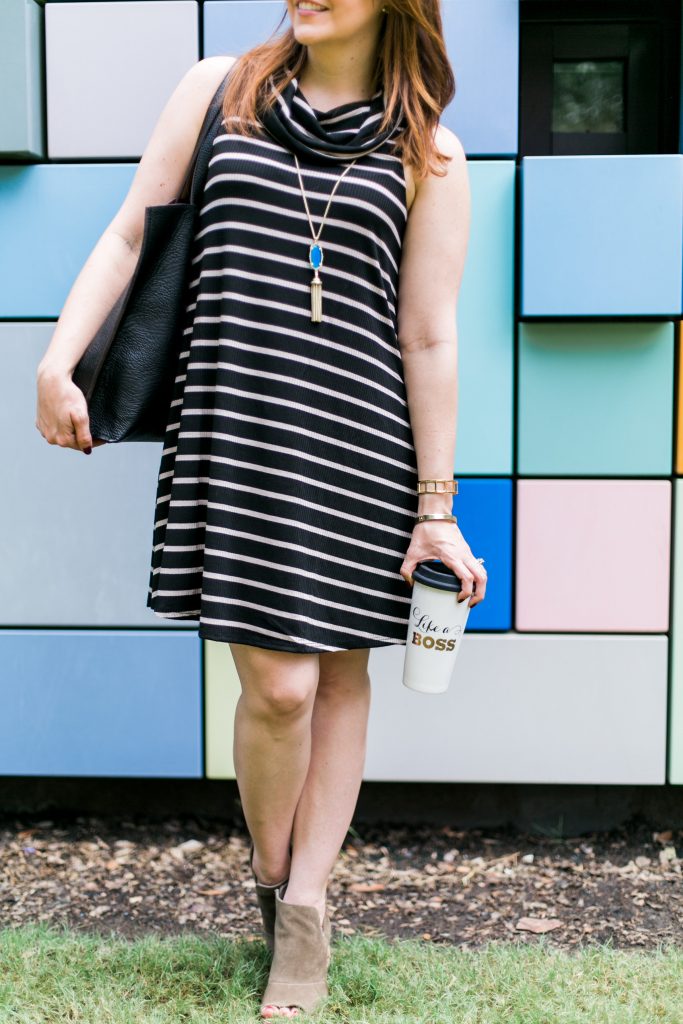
{"type": "Point", "coordinates": [315, 251]}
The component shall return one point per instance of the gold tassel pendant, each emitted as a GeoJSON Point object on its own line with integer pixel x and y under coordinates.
{"type": "Point", "coordinates": [316, 298]}
{"type": "Point", "coordinates": [315, 258]}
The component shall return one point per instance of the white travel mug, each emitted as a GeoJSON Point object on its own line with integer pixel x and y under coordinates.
{"type": "Point", "coordinates": [436, 626]}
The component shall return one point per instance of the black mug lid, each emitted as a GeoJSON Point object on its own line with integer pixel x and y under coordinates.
{"type": "Point", "coordinates": [437, 574]}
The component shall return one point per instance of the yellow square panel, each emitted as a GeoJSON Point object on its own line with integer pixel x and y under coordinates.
{"type": "Point", "coordinates": [221, 690]}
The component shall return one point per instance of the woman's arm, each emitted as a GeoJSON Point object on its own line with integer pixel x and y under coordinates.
{"type": "Point", "coordinates": [432, 264]}
{"type": "Point", "coordinates": [61, 410]}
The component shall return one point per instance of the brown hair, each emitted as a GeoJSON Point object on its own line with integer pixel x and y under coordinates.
{"type": "Point", "coordinates": [412, 64]}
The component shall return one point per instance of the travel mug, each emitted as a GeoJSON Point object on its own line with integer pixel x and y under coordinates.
{"type": "Point", "coordinates": [436, 625]}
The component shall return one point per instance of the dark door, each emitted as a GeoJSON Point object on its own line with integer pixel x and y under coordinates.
{"type": "Point", "coordinates": [599, 77]}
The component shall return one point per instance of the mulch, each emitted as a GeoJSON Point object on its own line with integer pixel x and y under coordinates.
{"type": "Point", "coordinates": [441, 885]}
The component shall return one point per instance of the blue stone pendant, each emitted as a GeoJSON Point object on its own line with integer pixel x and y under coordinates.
{"type": "Point", "coordinates": [315, 257]}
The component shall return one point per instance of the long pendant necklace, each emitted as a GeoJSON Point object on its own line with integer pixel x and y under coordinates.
{"type": "Point", "coordinates": [315, 251]}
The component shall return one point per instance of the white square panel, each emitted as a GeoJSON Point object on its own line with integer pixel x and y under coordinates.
{"type": "Point", "coordinates": [111, 68]}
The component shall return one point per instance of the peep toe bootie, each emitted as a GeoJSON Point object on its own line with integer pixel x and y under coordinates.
{"type": "Point", "coordinates": [265, 894]}
{"type": "Point", "coordinates": [298, 972]}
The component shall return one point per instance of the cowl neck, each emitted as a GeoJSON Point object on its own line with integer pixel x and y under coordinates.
{"type": "Point", "coordinates": [343, 133]}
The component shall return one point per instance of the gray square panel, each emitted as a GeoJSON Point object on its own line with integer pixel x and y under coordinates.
{"type": "Point", "coordinates": [546, 708]}
{"type": "Point", "coordinates": [21, 78]}
{"type": "Point", "coordinates": [75, 529]}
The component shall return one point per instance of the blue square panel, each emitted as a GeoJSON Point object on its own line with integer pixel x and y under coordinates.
{"type": "Point", "coordinates": [21, 78]}
{"type": "Point", "coordinates": [96, 703]}
{"type": "Point", "coordinates": [484, 512]}
{"type": "Point", "coordinates": [234, 26]}
{"type": "Point", "coordinates": [602, 235]}
{"type": "Point", "coordinates": [111, 68]}
{"type": "Point", "coordinates": [596, 398]}
{"type": "Point", "coordinates": [482, 35]}
{"type": "Point", "coordinates": [486, 325]}
{"type": "Point", "coordinates": [51, 217]}
{"type": "Point", "coordinates": [680, 105]}
{"type": "Point", "coordinates": [75, 530]}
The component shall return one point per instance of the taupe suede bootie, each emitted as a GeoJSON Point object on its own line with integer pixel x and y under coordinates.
{"type": "Point", "coordinates": [298, 973]}
{"type": "Point", "coordinates": [265, 894]}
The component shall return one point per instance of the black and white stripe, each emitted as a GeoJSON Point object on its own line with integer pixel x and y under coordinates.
{"type": "Point", "coordinates": [286, 491]}
{"type": "Point", "coordinates": [343, 133]}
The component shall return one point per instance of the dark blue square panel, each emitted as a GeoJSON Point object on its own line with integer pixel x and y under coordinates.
{"type": "Point", "coordinates": [484, 511]}
{"type": "Point", "coordinates": [100, 703]}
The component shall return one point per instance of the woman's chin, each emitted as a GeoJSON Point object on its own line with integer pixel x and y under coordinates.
{"type": "Point", "coordinates": [307, 32]}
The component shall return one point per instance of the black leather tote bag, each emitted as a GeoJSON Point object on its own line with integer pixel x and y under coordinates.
{"type": "Point", "coordinates": [128, 370]}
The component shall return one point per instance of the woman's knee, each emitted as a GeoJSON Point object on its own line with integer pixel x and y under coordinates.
{"type": "Point", "coordinates": [276, 683]}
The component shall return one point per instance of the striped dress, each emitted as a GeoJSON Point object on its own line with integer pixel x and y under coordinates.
{"type": "Point", "coordinates": [286, 492]}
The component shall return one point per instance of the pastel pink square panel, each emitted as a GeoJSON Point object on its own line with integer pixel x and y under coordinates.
{"type": "Point", "coordinates": [593, 555]}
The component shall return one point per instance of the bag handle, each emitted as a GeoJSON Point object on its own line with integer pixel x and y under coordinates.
{"type": "Point", "coordinates": [200, 157]}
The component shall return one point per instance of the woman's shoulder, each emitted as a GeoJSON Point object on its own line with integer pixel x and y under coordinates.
{"type": "Point", "coordinates": [447, 142]}
{"type": "Point", "coordinates": [190, 101]}
{"type": "Point", "coordinates": [212, 70]}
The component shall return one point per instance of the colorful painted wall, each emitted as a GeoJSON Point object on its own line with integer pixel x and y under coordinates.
{"type": "Point", "coordinates": [569, 447]}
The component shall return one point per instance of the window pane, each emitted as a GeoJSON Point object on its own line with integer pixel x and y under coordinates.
{"type": "Point", "coordinates": [588, 96]}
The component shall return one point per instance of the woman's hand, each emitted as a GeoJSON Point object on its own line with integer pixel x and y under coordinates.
{"type": "Point", "coordinates": [62, 412]}
{"type": "Point", "coordinates": [442, 539]}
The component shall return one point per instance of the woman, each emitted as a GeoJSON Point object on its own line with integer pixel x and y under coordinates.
{"type": "Point", "coordinates": [312, 395]}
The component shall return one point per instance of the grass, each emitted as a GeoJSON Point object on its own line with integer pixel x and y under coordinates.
{"type": "Point", "coordinates": [50, 975]}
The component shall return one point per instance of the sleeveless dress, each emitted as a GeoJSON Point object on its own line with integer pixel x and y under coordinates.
{"type": "Point", "coordinates": [286, 492]}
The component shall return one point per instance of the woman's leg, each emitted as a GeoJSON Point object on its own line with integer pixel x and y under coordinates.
{"type": "Point", "coordinates": [300, 740]}
{"type": "Point", "coordinates": [272, 744]}
{"type": "Point", "coordinates": [330, 793]}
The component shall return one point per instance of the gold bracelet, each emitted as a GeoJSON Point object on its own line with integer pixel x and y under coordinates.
{"type": "Point", "coordinates": [436, 515]}
{"type": "Point", "coordinates": [450, 486]}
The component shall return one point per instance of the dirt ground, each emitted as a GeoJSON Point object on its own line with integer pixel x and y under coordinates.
{"type": "Point", "coordinates": [442, 885]}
